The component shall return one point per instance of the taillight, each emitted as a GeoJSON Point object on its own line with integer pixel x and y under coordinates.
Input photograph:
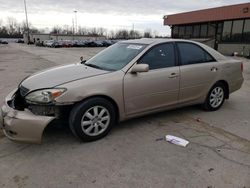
{"type": "Point", "coordinates": [241, 67]}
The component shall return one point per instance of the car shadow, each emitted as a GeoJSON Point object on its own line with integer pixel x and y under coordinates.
{"type": "Point", "coordinates": [59, 132]}
{"type": "Point", "coordinates": [58, 135]}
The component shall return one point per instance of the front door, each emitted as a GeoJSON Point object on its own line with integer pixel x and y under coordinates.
{"type": "Point", "coordinates": [157, 88]}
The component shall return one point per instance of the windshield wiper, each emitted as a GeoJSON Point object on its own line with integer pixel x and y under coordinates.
{"type": "Point", "coordinates": [94, 66]}
{"type": "Point", "coordinates": [98, 67]}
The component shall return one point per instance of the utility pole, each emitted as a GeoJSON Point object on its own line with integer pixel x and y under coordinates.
{"type": "Point", "coordinates": [133, 28]}
{"type": "Point", "coordinates": [75, 20]}
{"type": "Point", "coordinates": [73, 28]}
{"type": "Point", "coordinates": [27, 23]}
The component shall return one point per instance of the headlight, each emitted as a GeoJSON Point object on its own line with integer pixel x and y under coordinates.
{"type": "Point", "coordinates": [44, 96]}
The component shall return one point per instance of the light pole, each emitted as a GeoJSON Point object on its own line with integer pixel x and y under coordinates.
{"type": "Point", "coordinates": [133, 29]}
{"type": "Point", "coordinates": [73, 28]}
{"type": "Point", "coordinates": [75, 21]}
{"type": "Point", "coordinates": [27, 23]}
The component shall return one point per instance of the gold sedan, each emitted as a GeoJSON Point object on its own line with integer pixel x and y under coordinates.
{"type": "Point", "coordinates": [129, 79]}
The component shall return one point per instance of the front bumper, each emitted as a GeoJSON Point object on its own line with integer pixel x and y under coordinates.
{"type": "Point", "coordinates": [22, 126]}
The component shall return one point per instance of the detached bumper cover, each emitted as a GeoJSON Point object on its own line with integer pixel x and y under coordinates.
{"type": "Point", "coordinates": [22, 126]}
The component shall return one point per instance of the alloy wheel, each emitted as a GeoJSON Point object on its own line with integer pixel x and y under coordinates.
{"type": "Point", "coordinates": [216, 97]}
{"type": "Point", "coordinates": [95, 121]}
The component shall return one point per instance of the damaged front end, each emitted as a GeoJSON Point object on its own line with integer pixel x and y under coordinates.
{"type": "Point", "coordinates": [25, 122]}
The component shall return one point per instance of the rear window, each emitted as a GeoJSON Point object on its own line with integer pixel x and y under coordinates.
{"type": "Point", "coordinates": [193, 54]}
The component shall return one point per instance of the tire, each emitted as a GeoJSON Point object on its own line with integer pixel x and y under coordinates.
{"type": "Point", "coordinates": [92, 119]}
{"type": "Point", "coordinates": [215, 97]}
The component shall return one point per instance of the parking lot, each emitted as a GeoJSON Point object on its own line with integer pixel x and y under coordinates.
{"type": "Point", "coordinates": [134, 154]}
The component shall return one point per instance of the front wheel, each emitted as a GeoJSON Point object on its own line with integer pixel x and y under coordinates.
{"type": "Point", "coordinates": [215, 98]}
{"type": "Point", "coordinates": [92, 119]}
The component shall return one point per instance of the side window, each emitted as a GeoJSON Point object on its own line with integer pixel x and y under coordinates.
{"type": "Point", "coordinates": [160, 56]}
{"type": "Point", "coordinates": [193, 54]}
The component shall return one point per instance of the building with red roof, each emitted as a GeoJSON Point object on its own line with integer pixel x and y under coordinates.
{"type": "Point", "coordinates": [227, 28]}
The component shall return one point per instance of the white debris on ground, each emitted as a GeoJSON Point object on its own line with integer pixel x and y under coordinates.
{"type": "Point", "coordinates": [176, 140]}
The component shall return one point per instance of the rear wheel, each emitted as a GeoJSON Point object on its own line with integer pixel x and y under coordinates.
{"type": "Point", "coordinates": [92, 119]}
{"type": "Point", "coordinates": [215, 98]}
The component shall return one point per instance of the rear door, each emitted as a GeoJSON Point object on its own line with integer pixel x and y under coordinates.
{"type": "Point", "coordinates": [157, 88]}
{"type": "Point", "coordinates": [198, 70]}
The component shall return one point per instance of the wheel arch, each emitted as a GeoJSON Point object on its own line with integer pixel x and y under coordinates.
{"type": "Point", "coordinates": [225, 83]}
{"type": "Point", "coordinates": [114, 103]}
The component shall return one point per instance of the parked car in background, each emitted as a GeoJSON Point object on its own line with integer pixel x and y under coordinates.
{"type": "Point", "coordinates": [91, 43]}
{"type": "Point", "coordinates": [68, 43]}
{"type": "Point", "coordinates": [20, 41]}
{"type": "Point", "coordinates": [3, 42]}
{"type": "Point", "coordinates": [75, 43]}
{"type": "Point", "coordinates": [88, 43]}
{"type": "Point", "coordinates": [99, 43]}
{"type": "Point", "coordinates": [55, 45]}
{"type": "Point", "coordinates": [79, 43]}
{"type": "Point", "coordinates": [61, 43]}
{"type": "Point", "coordinates": [39, 44]}
{"type": "Point", "coordinates": [49, 43]}
{"type": "Point", "coordinates": [30, 42]}
{"type": "Point", "coordinates": [107, 43]}
{"type": "Point", "coordinates": [95, 44]}
{"type": "Point", "coordinates": [128, 79]}
{"type": "Point", "coordinates": [82, 43]}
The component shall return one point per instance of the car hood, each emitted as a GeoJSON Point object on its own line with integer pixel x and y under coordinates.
{"type": "Point", "coordinates": [60, 75]}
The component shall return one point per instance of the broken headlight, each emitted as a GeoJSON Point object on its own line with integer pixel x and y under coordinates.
{"type": "Point", "coordinates": [44, 96]}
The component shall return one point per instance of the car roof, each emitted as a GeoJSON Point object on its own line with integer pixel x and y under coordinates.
{"type": "Point", "coordinates": [149, 41]}
{"type": "Point", "coordinates": [154, 41]}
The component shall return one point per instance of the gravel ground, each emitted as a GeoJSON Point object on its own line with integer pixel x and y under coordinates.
{"type": "Point", "coordinates": [134, 154]}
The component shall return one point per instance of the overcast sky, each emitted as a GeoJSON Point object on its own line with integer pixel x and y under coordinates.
{"type": "Point", "coordinates": [110, 14]}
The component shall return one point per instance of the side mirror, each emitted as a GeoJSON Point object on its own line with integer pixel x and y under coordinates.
{"type": "Point", "coordinates": [140, 68]}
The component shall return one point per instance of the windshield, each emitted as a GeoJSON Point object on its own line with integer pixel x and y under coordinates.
{"type": "Point", "coordinates": [116, 57]}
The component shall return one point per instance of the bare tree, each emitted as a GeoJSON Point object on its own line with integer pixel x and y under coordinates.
{"type": "Point", "coordinates": [19, 29]}
{"type": "Point", "coordinates": [4, 32]}
{"type": "Point", "coordinates": [82, 30]}
{"type": "Point", "coordinates": [122, 34]}
{"type": "Point", "coordinates": [14, 29]}
{"type": "Point", "coordinates": [56, 30]}
{"type": "Point", "coordinates": [93, 31]}
{"type": "Point", "coordinates": [147, 33]}
{"type": "Point", "coordinates": [12, 24]}
{"type": "Point", "coordinates": [23, 26]}
{"type": "Point", "coordinates": [111, 34]}
{"type": "Point", "coordinates": [34, 30]}
{"type": "Point", "coordinates": [133, 34]}
{"type": "Point", "coordinates": [156, 33]}
{"type": "Point", "coordinates": [101, 31]}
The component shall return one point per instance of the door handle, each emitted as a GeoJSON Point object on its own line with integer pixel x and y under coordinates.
{"type": "Point", "coordinates": [214, 69]}
{"type": "Point", "coordinates": [173, 75]}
